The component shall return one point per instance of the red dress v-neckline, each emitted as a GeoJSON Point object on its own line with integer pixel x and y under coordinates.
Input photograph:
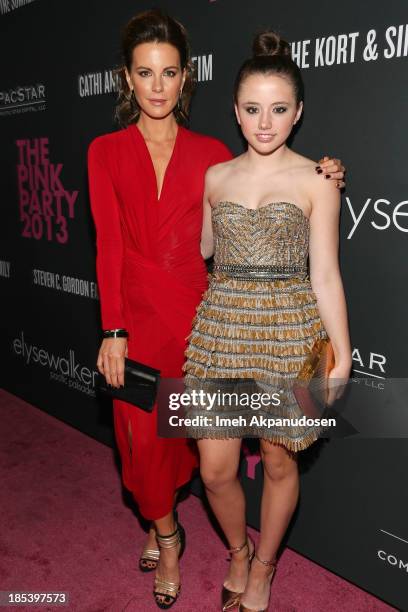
{"type": "Point", "coordinates": [140, 136]}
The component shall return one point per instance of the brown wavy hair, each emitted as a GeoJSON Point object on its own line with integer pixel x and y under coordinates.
{"type": "Point", "coordinates": [271, 54]}
{"type": "Point", "coordinates": [152, 26]}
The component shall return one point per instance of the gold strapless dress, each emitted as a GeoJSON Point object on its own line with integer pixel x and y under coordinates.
{"type": "Point", "coordinates": [251, 328]}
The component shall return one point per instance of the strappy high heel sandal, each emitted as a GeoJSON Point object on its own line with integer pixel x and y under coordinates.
{"type": "Point", "coordinates": [166, 592]}
{"type": "Point", "coordinates": [241, 607]}
{"type": "Point", "coordinates": [230, 599]}
{"type": "Point", "coordinates": [149, 558]}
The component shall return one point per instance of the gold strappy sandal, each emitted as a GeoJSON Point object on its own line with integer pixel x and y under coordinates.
{"type": "Point", "coordinates": [230, 599]}
{"type": "Point", "coordinates": [166, 592]}
{"type": "Point", "coordinates": [149, 559]}
{"type": "Point", "coordinates": [241, 607]}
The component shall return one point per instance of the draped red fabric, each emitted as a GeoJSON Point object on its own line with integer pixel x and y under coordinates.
{"type": "Point", "coordinates": [151, 277]}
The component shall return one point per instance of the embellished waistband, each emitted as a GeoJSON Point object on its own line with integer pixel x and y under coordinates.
{"type": "Point", "coordinates": [260, 272]}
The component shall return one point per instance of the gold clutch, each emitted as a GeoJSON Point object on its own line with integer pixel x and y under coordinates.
{"type": "Point", "coordinates": [311, 388]}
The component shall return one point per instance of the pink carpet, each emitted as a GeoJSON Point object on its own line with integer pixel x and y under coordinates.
{"type": "Point", "coordinates": [65, 527]}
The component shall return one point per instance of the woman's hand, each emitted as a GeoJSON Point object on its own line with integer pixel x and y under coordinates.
{"type": "Point", "coordinates": [338, 379]}
{"type": "Point", "coordinates": [332, 168]}
{"type": "Point", "coordinates": [111, 360]}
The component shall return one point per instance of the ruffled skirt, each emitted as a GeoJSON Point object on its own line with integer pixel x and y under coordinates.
{"type": "Point", "coordinates": [250, 337]}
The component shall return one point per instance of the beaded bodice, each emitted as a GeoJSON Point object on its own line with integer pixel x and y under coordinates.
{"type": "Point", "coordinates": [277, 234]}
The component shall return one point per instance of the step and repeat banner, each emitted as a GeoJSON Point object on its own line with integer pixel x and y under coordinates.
{"type": "Point", "coordinates": [57, 92]}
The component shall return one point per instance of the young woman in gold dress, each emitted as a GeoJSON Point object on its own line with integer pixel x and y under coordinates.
{"type": "Point", "coordinates": [266, 213]}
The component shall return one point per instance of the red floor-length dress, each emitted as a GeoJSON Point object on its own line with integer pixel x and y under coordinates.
{"type": "Point", "coordinates": [151, 277]}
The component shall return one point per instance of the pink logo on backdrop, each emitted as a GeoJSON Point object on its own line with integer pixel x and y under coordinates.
{"type": "Point", "coordinates": [252, 462]}
{"type": "Point", "coordinates": [45, 205]}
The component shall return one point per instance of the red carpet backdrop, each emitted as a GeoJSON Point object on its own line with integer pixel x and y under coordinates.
{"type": "Point", "coordinates": [57, 92]}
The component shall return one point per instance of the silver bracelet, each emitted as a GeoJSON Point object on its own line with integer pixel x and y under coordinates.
{"type": "Point", "coordinates": [120, 332]}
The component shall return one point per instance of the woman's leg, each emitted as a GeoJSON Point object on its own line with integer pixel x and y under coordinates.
{"type": "Point", "coordinates": [151, 542]}
{"type": "Point", "coordinates": [164, 526]}
{"type": "Point", "coordinates": [219, 462]}
{"type": "Point", "coordinates": [168, 565]}
{"type": "Point", "coordinates": [279, 499]}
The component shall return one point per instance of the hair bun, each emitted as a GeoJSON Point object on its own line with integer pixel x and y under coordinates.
{"type": "Point", "coordinates": [270, 43]}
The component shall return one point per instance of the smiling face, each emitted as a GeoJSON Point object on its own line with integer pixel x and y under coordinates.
{"type": "Point", "coordinates": [266, 110]}
{"type": "Point", "coordinates": [156, 78]}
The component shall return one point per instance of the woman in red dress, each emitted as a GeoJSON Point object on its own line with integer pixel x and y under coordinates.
{"type": "Point", "coordinates": [146, 189]}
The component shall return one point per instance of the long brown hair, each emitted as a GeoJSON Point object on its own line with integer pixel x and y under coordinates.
{"type": "Point", "coordinates": [153, 26]}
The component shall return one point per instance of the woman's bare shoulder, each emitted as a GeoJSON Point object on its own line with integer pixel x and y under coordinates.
{"type": "Point", "coordinates": [302, 164]}
{"type": "Point", "coordinates": [304, 171]}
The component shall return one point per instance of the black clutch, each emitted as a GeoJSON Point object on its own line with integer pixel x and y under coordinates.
{"type": "Point", "coordinates": [141, 385]}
